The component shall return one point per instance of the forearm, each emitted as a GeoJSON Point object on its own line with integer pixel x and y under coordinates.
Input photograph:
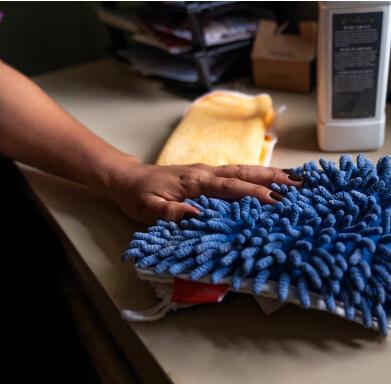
{"type": "Point", "coordinates": [38, 132]}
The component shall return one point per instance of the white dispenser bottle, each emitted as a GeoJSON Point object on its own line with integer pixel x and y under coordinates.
{"type": "Point", "coordinates": [353, 62]}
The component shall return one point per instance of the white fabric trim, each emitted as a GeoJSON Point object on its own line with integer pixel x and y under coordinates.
{"type": "Point", "coordinates": [158, 311]}
{"type": "Point", "coordinates": [270, 291]}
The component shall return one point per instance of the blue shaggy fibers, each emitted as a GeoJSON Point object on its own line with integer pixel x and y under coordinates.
{"type": "Point", "coordinates": [331, 237]}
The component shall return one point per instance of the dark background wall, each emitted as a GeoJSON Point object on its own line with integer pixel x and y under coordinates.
{"type": "Point", "coordinates": [37, 37]}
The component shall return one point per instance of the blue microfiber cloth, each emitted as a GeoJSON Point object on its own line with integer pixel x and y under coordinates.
{"type": "Point", "coordinates": [331, 237]}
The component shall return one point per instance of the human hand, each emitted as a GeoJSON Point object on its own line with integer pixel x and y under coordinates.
{"type": "Point", "coordinates": [149, 192]}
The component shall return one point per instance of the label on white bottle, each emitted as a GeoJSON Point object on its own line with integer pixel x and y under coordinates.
{"type": "Point", "coordinates": [356, 51]}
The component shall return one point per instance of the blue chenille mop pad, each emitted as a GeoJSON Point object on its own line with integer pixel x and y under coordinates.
{"type": "Point", "coordinates": [326, 245]}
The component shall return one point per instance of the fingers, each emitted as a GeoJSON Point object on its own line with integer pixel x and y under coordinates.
{"type": "Point", "coordinates": [227, 182]}
{"type": "Point", "coordinates": [160, 208]}
{"type": "Point", "coordinates": [231, 188]}
{"type": "Point", "coordinates": [259, 175]}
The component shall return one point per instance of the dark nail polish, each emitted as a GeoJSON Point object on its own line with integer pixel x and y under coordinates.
{"type": "Point", "coordinates": [190, 215]}
{"type": "Point", "coordinates": [292, 176]}
{"type": "Point", "coordinates": [295, 177]}
{"type": "Point", "coordinates": [276, 196]}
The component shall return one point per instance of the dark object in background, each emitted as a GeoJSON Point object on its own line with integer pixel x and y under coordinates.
{"type": "Point", "coordinates": [37, 37]}
{"type": "Point", "coordinates": [42, 339]}
{"type": "Point", "coordinates": [285, 61]}
{"type": "Point", "coordinates": [196, 44]}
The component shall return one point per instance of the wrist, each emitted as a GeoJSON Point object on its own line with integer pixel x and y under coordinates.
{"type": "Point", "coordinates": [111, 169]}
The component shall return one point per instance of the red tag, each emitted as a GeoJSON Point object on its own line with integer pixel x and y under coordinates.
{"type": "Point", "coordinates": [191, 292]}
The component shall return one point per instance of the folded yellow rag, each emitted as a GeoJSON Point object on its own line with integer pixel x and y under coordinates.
{"type": "Point", "coordinates": [221, 128]}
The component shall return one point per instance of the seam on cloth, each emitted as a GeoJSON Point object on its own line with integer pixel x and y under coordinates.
{"type": "Point", "coordinates": [270, 292]}
{"type": "Point", "coordinates": [268, 301]}
{"type": "Point", "coordinates": [158, 311]}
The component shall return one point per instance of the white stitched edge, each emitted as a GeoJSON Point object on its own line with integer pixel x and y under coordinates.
{"type": "Point", "coordinates": [270, 291]}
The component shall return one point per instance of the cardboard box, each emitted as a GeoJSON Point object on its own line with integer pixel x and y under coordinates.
{"type": "Point", "coordinates": [285, 61]}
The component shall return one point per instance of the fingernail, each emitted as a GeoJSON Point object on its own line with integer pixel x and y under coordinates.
{"type": "Point", "coordinates": [295, 177]}
{"type": "Point", "coordinates": [276, 196]}
{"type": "Point", "coordinates": [292, 176]}
{"type": "Point", "coordinates": [190, 215]}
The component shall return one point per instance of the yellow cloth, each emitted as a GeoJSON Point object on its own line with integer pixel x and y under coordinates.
{"type": "Point", "coordinates": [223, 128]}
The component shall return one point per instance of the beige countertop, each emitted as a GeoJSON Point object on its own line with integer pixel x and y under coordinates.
{"type": "Point", "coordinates": [232, 342]}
